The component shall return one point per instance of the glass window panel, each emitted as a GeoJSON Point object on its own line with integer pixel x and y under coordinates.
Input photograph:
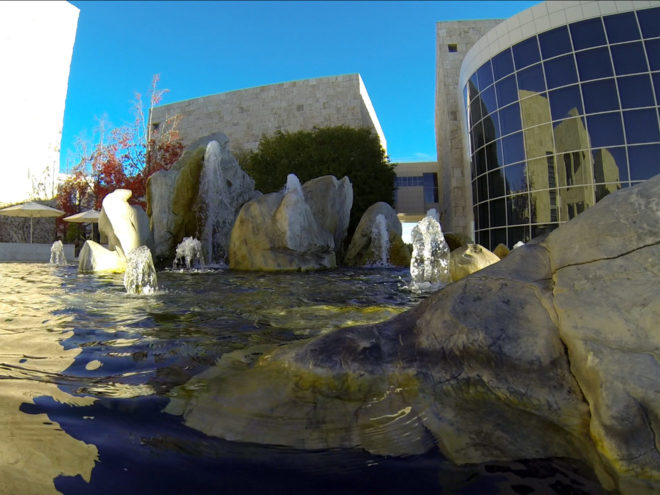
{"type": "Point", "coordinates": [475, 112]}
{"type": "Point", "coordinates": [498, 213]}
{"type": "Point", "coordinates": [539, 141]}
{"type": "Point", "coordinates": [560, 71]}
{"type": "Point", "coordinates": [531, 79]}
{"type": "Point", "coordinates": [571, 135]}
{"type": "Point", "coordinates": [649, 21]}
{"type": "Point", "coordinates": [517, 209]}
{"type": "Point", "coordinates": [485, 75]}
{"type": "Point", "coordinates": [488, 100]}
{"type": "Point", "coordinates": [496, 184]}
{"type": "Point", "coordinates": [516, 180]}
{"type": "Point", "coordinates": [563, 100]}
{"type": "Point", "coordinates": [474, 82]}
{"type": "Point", "coordinates": [480, 159]}
{"type": "Point", "coordinates": [480, 236]}
{"type": "Point", "coordinates": [510, 119]}
{"type": "Point", "coordinates": [629, 58]}
{"type": "Point", "coordinates": [653, 52]}
{"type": "Point", "coordinates": [494, 154]}
{"type": "Point", "coordinates": [502, 64]}
{"type": "Point", "coordinates": [475, 212]}
{"type": "Point", "coordinates": [555, 42]}
{"type": "Point", "coordinates": [490, 128]}
{"type": "Point", "coordinates": [513, 148]}
{"type": "Point", "coordinates": [526, 53]}
{"type": "Point", "coordinates": [478, 135]}
{"type": "Point", "coordinates": [543, 229]}
{"type": "Point", "coordinates": [635, 91]}
{"type": "Point", "coordinates": [605, 129]}
{"type": "Point", "coordinates": [644, 162]}
{"type": "Point", "coordinates": [586, 34]}
{"type": "Point", "coordinates": [621, 27]}
{"type": "Point", "coordinates": [610, 165]}
{"type": "Point", "coordinates": [472, 90]}
{"type": "Point", "coordinates": [656, 86]}
{"type": "Point", "coordinates": [517, 234]}
{"type": "Point", "coordinates": [600, 96]}
{"type": "Point", "coordinates": [594, 64]}
{"type": "Point", "coordinates": [506, 91]}
{"type": "Point", "coordinates": [482, 188]}
{"type": "Point", "coordinates": [641, 126]}
{"type": "Point", "coordinates": [497, 236]}
{"type": "Point", "coordinates": [484, 219]}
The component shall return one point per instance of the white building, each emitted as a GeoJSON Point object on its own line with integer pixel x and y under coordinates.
{"type": "Point", "coordinates": [36, 45]}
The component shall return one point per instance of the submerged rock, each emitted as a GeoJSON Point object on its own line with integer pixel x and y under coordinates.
{"type": "Point", "coordinates": [279, 232]}
{"type": "Point", "coordinates": [552, 352]}
{"type": "Point", "coordinates": [365, 250]}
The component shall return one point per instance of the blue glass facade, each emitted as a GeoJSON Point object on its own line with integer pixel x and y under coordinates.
{"type": "Point", "coordinates": [561, 119]}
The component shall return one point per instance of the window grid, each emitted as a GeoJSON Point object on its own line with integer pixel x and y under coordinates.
{"type": "Point", "coordinates": [483, 143]}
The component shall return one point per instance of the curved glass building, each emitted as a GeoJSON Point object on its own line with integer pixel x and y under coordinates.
{"type": "Point", "coordinates": [561, 108]}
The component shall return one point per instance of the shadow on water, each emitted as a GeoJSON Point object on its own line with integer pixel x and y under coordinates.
{"type": "Point", "coordinates": [86, 371]}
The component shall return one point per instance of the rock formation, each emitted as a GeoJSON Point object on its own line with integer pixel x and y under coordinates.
{"type": "Point", "coordinates": [200, 197]}
{"type": "Point", "coordinates": [279, 232]}
{"type": "Point", "coordinates": [554, 351]}
{"type": "Point", "coordinates": [469, 259]}
{"type": "Point", "coordinates": [364, 251]}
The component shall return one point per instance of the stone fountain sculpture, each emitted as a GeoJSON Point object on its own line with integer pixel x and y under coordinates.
{"type": "Point", "coordinates": [552, 352]}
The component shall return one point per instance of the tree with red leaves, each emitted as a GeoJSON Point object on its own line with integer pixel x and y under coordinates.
{"type": "Point", "coordinates": [124, 158]}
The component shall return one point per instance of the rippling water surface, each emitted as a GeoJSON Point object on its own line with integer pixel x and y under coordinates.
{"type": "Point", "coordinates": [85, 371]}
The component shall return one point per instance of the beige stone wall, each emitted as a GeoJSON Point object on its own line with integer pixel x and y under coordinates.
{"type": "Point", "coordinates": [410, 204]}
{"type": "Point", "coordinates": [455, 193]}
{"type": "Point", "coordinates": [247, 115]}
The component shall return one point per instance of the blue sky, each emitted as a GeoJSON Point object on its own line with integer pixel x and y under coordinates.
{"type": "Point", "coordinates": [202, 48]}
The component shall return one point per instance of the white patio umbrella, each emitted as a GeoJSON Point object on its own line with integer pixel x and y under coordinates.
{"type": "Point", "coordinates": [32, 210]}
{"type": "Point", "coordinates": [87, 216]}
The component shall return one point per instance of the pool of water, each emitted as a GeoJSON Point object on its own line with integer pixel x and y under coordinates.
{"type": "Point", "coordinates": [86, 370]}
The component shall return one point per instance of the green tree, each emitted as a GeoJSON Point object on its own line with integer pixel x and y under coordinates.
{"type": "Point", "coordinates": [339, 151]}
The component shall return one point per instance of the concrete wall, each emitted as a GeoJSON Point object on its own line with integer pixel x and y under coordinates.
{"type": "Point", "coordinates": [248, 114]}
{"type": "Point", "coordinates": [455, 192]}
{"type": "Point", "coordinates": [25, 252]}
{"type": "Point", "coordinates": [410, 203]}
{"type": "Point", "coordinates": [36, 45]}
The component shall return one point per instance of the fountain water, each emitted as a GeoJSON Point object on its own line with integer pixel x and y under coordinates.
{"type": "Point", "coordinates": [140, 276]}
{"type": "Point", "coordinates": [380, 242]}
{"type": "Point", "coordinates": [189, 254]}
{"type": "Point", "coordinates": [57, 256]}
{"type": "Point", "coordinates": [429, 266]}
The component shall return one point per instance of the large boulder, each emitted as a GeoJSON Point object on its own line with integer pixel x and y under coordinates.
{"type": "Point", "coordinates": [200, 197]}
{"type": "Point", "coordinates": [552, 352]}
{"type": "Point", "coordinates": [365, 245]}
{"type": "Point", "coordinates": [466, 260]}
{"type": "Point", "coordinates": [330, 201]}
{"type": "Point", "coordinates": [279, 232]}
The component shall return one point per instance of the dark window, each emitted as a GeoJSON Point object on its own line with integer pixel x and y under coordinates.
{"type": "Point", "coordinates": [498, 213]}
{"type": "Point", "coordinates": [586, 34]}
{"type": "Point", "coordinates": [497, 236]}
{"type": "Point", "coordinates": [475, 212]}
{"type": "Point", "coordinates": [513, 148]}
{"type": "Point", "coordinates": [605, 129]}
{"type": "Point", "coordinates": [641, 126]}
{"type": "Point", "coordinates": [481, 161]}
{"type": "Point", "coordinates": [518, 209]}
{"type": "Point", "coordinates": [568, 167]}
{"type": "Point", "coordinates": [542, 229]}
{"type": "Point", "coordinates": [502, 64]}
{"type": "Point", "coordinates": [495, 184]}
{"type": "Point", "coordinates": [506, 91]}
{"type": "Point", "coordinates": [635, 91]}
{"type": "Point", "coordinates": [484, 219]}
{"type": "Point", "coordinates": [516, 180]}
{"type": "Point", "coordinates": [478, 135]}
{"type": "Point", "coordinates": [600, 96]}
{"type": "Point", "coordinates": [649, 21]}
{"type": "Point", "coordinates": [555, 42]}
{"type": "Point", "coordinates": [560, 71]}
{"type": "Point", "coordinates": [656, 85]}
{"type": "Point", "coordinates": [563, 100]}
{"type": "Point", "coordinates": [488, 99]}
{"type": "Point", "coordinates": [485, 75]}
{"type": "Point", "coordinates": [452, 47]}
{"type": "Point", "coordinates": [510, 119]}
{"type": "Point", "coordinates": [482, 188]}
{"type": "Point", "coordinates": [474, 82]}
{"type": "Point", "coordinates": [644, 162]}
{"type": "Point", "coordinates": [490, 128]}
{"type": "Point", "coordinates": [621, 27]}
{"type": "Point", "coordinates": [531, 79]}
{"type": "Point", "coordinates": [653, 52]}
{"type": "Point", "coordinates": [494, 155]}
{"type": "Point", "coordinates": [613, 156]}
{"type": "Point", "coordinates": [430, 182]}
{"type": "Point", "coordinates": [526, 53]}
{"type": "Point", "coordinates": [475, 111]}
{"type": "Point", "coordinates": [594, 64]}
{"type": "Point", "coordinates": [629, 58]}
{"type": "Point", "coordinates": [517, 234]}
{"type": "Point", "coordinates": [472, 90]}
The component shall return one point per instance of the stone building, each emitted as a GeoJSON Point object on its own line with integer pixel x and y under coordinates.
{"type": "Point", "coordinates": [248, 114]}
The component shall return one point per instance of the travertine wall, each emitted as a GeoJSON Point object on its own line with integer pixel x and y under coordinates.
{"type": "Point", "coordinates": [410, 202]}
{"type": "Point", "coordinates": [455, 193]}
{"type": "Point", "coordinates": [247, 115]}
